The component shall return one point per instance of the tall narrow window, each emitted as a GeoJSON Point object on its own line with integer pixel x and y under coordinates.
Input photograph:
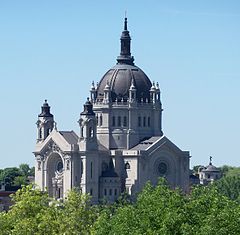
{"type": "Point", "coordinates": [101, 120]}
{"type": "Point", "coordinates": [124, 121]}
{"type": "Point", "coordinates": [91, 191]}
{"type": "Point", "coordinates": [105, 192]}
{"type": "Point", "coordinates": [113, 121]}
{"type": "Point", "coordinates": [149, 121]}
{"type": "Point", "coordinates": [81, 131]}
{"type": "Point", "coordinates": [119, 120]}
{"type": "Point", "coordinates": [139, 121]}
{"type": "Point", "coordinates": [40, 133]}
{"type": "Point", "coordinates": [91, 170]}
{"type": "Point", "coordinates": [97, 120]}
{"type": "Point", "coordinates": [90, 132]}
{"type": "Point", "coordinates": [144, 121]}
{"type": "Point", "coordinates": [115, 192]}
{"type": "Point", "coordinates": [110, 192]}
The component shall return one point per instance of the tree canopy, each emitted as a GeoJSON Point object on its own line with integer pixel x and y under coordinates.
{"type": "Point", "coordinates": [157, 210]}
{"type": "Point", "coordinates": [16, 176]}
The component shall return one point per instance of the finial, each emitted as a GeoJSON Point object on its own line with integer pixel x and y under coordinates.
{"type": "Point", "coordinates": [210, 158]}
{"type": "Point", "coordinates": [45, 101]}
{"type": "Point", "coordinates": [88, 99]}
{"type": "Point", "coordinates": [125, 22]}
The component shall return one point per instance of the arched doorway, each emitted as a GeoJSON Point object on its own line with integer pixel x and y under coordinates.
{"type": "Point", "coordinates": [55, 175]}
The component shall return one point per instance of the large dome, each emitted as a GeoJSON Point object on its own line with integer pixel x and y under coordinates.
{"type": "Point", "coordinates": [120, 78]}
{"type": "Point", "coordinates": [124, 74]}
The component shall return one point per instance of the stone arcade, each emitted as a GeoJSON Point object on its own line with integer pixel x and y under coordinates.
{"type": "Point", "coordinates": [120, 145]}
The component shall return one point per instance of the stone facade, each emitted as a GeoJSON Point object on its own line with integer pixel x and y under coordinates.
{"type": "Point", "coordinates": [120, 145]}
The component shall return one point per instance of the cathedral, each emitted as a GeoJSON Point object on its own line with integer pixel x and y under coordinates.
{"type": "Point", "coordinates": [120, 144]}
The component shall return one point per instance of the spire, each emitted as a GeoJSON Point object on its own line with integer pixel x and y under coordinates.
{"type": "Point", "coordinates": [125, 53]}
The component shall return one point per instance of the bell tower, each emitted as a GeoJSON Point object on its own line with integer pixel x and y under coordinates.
{"type": "Point", "coordinates": [45, 123]}
{"type": "Point", "coordinates": [89, 152]}
{"type": "Point", "coordinates": [87, 122]}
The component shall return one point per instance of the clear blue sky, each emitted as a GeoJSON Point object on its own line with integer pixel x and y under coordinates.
{"type": "Point", "coordinates": [54, 49]}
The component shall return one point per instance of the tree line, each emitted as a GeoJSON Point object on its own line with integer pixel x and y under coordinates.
{"type": "Point", "coordinates": [157, 210]}
{"type": "Point", "coordinates": [16, 176]}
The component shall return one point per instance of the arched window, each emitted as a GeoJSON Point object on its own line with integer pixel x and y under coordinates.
{"type": "Point", "coordinates": [144, 121]}
{"type": "Point", "coordinates": [113, 121]}
{"type": "Point", "coordinates": [115, 192]}
{"type": "Point", "coordinates": [97, 120]}
{"type": "Point", "coordinates": [119, 120]}
{"type": "Point", "coordinates": [149, 121]}
{"type": "Point", "coordinates": [81, 131]}
{"type": "Point", "coordinates": [101, 120]}
{"type": "Point", "coordinates": [139, 121]}
{"type": "Point", "coordinates": [124, 121]}
{"type": "Point", "coordinates": [127, 166]}
{"type": "Point", "coordinates": [91, 170]}
{"type": "Point", "coordinates": [90, 134]}
{"type": "Point", "coordinates": [40, 133]}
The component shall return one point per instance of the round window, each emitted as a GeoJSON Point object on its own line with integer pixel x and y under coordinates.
{"type": "Point", "coordinates": [59, 166]}
{"type": "Point", "coordinates": [162, 168]}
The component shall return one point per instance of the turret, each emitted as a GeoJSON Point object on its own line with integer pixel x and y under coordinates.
{"type": "Point", "coordinates": [107, 94]}
{"type": "Point", "coordinates": [87, 122]}
{"type": "Point", "coordinates": [132, 92]}
{"type": "Point", "coordinates": [45, 123]}
{"type": "Point", "coordinates": [153, 93]}
{"type": "Point", "coordinates": [93, 92]}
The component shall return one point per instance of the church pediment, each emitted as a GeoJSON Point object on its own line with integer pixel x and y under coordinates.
{"type": "Point", "coordinates": [165, 144]}
{"type": "Point", "coordinates": [58, 142]}
{"type": "Point", "coordinates": [157, 143]}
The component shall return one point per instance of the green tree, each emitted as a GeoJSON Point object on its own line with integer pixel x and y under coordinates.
{"type": "Point", "coordinates": [8, 175]}
{"type": "Point", "coordinates": [24, 169]}
{"type": "Point", "coordinates": [229, 186]}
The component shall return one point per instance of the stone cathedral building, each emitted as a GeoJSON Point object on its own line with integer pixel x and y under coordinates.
{"type": "Point", "coordinates": [120, 144]}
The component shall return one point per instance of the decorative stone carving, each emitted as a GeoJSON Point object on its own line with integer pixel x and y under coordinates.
{"type": "Point", "coordinates": [52, 147]}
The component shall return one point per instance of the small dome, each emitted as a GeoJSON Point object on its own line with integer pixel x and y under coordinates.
{"type": "Point", "coordinates": [120, 79]}
{"type": "Point", "coordinates": [211, 168]}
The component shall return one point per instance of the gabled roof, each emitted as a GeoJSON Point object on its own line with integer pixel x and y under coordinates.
{"type": "Point", "coordinates": [65, 140]}
{"type": "Point", "coordinates": [70, 136]}
{"type": "Point", "coordinates": [146, 143]}
{"type": "Point", "coordinates": [154, 143]}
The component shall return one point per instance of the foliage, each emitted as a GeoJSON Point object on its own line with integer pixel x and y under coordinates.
{"type": "Point", "coordinates": [16, 176]}
{"type": "Point", "coordinates": [229, 186]}
{"type": "Point", "coordinates": [159, 210]}
{"type": "Point", "coordinates": [230, 171]}
{"type": "Point", "coordinates": [34, 212]}
{"type": "Point", "coordinates": [8, 175]}
{"type": "Point", "coordinates": [156, 210]}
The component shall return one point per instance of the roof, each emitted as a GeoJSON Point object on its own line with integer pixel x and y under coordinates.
{"type": "Point", "coordinates": [70, 136]}
{"type": "Point", "coordinates": [211, 168]}
{"type": "Point", "coordinates": [146, 143]}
